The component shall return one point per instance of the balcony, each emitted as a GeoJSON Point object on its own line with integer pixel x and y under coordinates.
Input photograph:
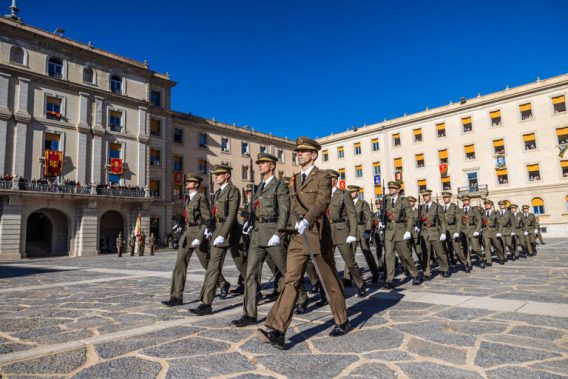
{"type": "Point", "coordinates": [100, 190]}
{"type": "Point", "coordinates": [476, 190]}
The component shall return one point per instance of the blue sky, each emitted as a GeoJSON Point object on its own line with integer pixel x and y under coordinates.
{"type": "Point", "coordinates": [318, 67]}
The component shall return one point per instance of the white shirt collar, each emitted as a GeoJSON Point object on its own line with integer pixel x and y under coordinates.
{"type": "Point", "coordinates": [307, 172]}
{"type": "Point", "coordinates": [224, 185]}
{"type": "Point", "coordinates": [355, 200]}
{"type": "Point", "coordinates": [192, 194]}
{"type": "Point", "coordinates": [268, 180]}
{"type": "Point", "coordinates": [333, 190]}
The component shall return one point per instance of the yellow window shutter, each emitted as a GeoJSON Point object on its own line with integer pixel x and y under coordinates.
{"type": "Point", "coordinates": [529, 137]}
{"type": "Point", "coordinates": [558, 99]}
{"type": "Point", "coordinates": [495, 114]}
{"type": "Point", "coordinates": [466, 120]}
{"type": "Point", "coordinates": [537, 202]}
{"type": "Point", "coordinates": [446, 179]}
{"type": "Point", "coordinates": [469, 149]}
{"type": "Point", "coordinates": [533, 167]}
{"type": "Point", "coordinates": [525, 107]}
{"type": "Point", "coordinates": [564, 163]}
{"type": "Point", "coordinates": [502, 171]}
{"type": "Point", "coordinates": [376, 164]}
{"type": "Point", "coordinates": [378, 190]}
{"type": "Point", "coordinates": [562, 131]}
{"type": "Point", "coordinates": [441, 126]}
{"type": "Point", "coordinates": [417, 132]}
{"type": "Point", "coordinates": [443, 154]}
{"type": "Point", "coordinates": [498, 143]}
{"type": "Point", "coordinates": [422, 182]}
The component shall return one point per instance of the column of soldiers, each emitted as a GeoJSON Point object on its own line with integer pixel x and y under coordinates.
{"type": "Point", "coordinates": [295, 224]}
{"type": "Point", "coordinates": [132, 241]}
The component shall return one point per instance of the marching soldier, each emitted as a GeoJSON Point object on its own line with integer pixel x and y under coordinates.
{"type": "Point", "coordinates": [363, 221]}
{"type": "Point", "coordinates": [398, 233]}
{"type": "Point", "coordinates": [379, 237]}
{"type": "Point", "coordinates": [119, 243]}
{"type": "Point", "coordinates": [491, 232]}
{"type": "Point", "coordinates": [471, 228]}
{"type": "Point", "coordinates": [517, 229]}
{"type": "Point", "coordinates": [506, 228]}
{"type": "Point", "coordinates": [226, 235]}
{"type": "Point", "coordinates": [432, 235]}
{"type": "Point", "coordinates": [415, 241]}
{"type": "Point", "coordinates": [142, 241]}
{"type": "Point", "coordinates": [152, 243]}
{"type": "Point", "coordinates": [193, 240]}
{"type": "Point", "coordinates": [539, 234]}
{"type": "Point", "coordinates": [453, 219]}
{"type": "Point", "coordinates": [529, 227]}
{"type": "Point", "coordinates": [271, 206]}
{"type": "Point", "coordinates": [310, 193]}
{"type": "Point", "coordinates": [343, 220]}
{"type": "Point", "coordinates": [132, 244]}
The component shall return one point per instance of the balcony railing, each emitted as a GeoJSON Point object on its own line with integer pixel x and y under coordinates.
{"type": "Point", "coordinates": [71, 189]}
{"type": "Point", "coordinates": [474, 190]}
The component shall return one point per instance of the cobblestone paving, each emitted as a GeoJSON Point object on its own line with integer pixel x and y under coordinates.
{"type": "Point", "coordinates": [101, 317]}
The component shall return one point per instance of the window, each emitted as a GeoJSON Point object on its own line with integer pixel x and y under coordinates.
{"type": "Point", "coordinates": [325, 155]}
{"type": "Point", "coordinates": [502, 175]}
{"type": "Point", "coordinates": [446, 183]}
{"type": "Point", "coordinates": [564, 167]}
{"type": "Point", "coordinates": [534, 172]}
{"type": "Point", "coordinates": [469, 151]}
{"type": "Point", "coordinates": [178, 135]}
{"type": "Point", "coordinates": [280, 155]}
{"type": "Point", "coordinates": [115, 121]}
{"type": "Point", "coordinates": [361, 194]}
{"type": "Point", "coordinates": [526, 111]}
{"type": "Point", "coordinates": [202, 140]}
{"type": "Point", "coordinates": [538, 206]}
{"type": "Point", "coordinates": [530, 141]}
{"type": "Point", "coordinates": [472, 182]}
{"type": "Point", "coordinates": [262, 149]}
{"type": "Point", "coordinates": [53, 108]}
{"type": "Point", "coordinates": [52, 141]}
{"type": "Point", "coordinates": [499, 146]}
{"type": "Point", "coordinates": [17, 55]}
{"type": "Point", "coordinates": [202, 166]}
{"type": "Point", "coordinates": [178, 163]}
{"type": "Point", "coordinates": [245, 149]}
{"type": "Point", "coordinates": [55, 68]}
{"type": "Point", "coordinates": [422, 184]}
{"type": "Point", "coordinates": [116, 84]}
{"type": "Point", "coordinates": [375, 144]}
{"type": "Point", "coordinates": [341, 152]}
{"type": "Point", "coordinates": [562, 134]}
{"type": "Point", "coordinates": [154, 157]}
{"type": "Point", "coordinates": [155, 127]}
{"type": "Point", "coordinates": [398, 164]}
{"type": "Point", "coordinates": [443, 156]}
{"type": "Point", "coordinates": [245, 172]}
{"type": "Point", "coordinates": [467, 124]}
{"type": "Point", "coordinates": [559, 104]}
{"type": "Point", "coordinates": [114, 151]}
{"type": "Point", "coordinates": [377, 168]}
{"type": "Point", "coordinates": [294, 158]}
{"type": "Point", "coordinates": [357, 148]}
{"type": "Point", "coordinates": [359, 171]}
{"type": "Point", "coordinates": [156, 98]}
{"type": "Point", "coordinates": [88, 75]}
{"type": "Point", "coordinates": [225, 146]}
{"type": "Point", "coordinates": [495, 118]}
{"type": "Point", "coordinates": [154, 188]}
{"type": "Point", "coordinates": [341, 173]}
{"type": "Point", "coordinates": [417, 135]}
{"type": "Point", "coordinates": [378, 191]}
{"type": "Point", "coordinates": [441, 129]}
{"type": "Point", "coordinates": [178, 191]}
{"type": "Point", "coordinates": [419, 160]}
{"type": "Point", "coordinates": [396, 139]}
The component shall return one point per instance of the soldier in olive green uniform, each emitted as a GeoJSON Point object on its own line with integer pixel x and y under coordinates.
{"type": "Point", "coordinates": [432, 235]}
{"type": "Point", "coordinates": [491, 233]}
{"type": "Point", "coordinates": [226, 234]}
{"type": "Point", "coordinates": [132, 244]}
{"type": "Point", "coordinates": [415, 241]}
{"type": "Point", "coordinates": [152, 243]}
{"type": "Point", "coordinates": [453, 219]}
{"type": "Point", "coordinates": [471, 228]}
{"type": "Point", "coordinates": [529, 230]}
{"type": "Point", "coordinates": [343, 219]}
{"type": "Point", "coordinates": [379, 237]}
{"type": "Point", "coordinates": [505, 229]}
{"type": "Point", "coordinates": [193, 240]}
{"type": "Point", "coordinates": [119, 243]}
{"type": "Point", "coordinates": [310, 192]}
{"type": "Point", "coordinates": [517, 230]}
{"type": "Point", "coordinates": [539, 234]}
{"type": "Point", "coordinates": [142, 244]}
{"type": "Point", "coordinates": [398, 233]}
{"type": "Point", "coordinates": [271, 206]}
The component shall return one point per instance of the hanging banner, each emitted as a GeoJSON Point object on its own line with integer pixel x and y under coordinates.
{"type": "Point", "coordinates": [116, 166]}
{"type": "Point", "coordinates": [562, 150]}
{"type": "Point", "coordinates": [53, 165]}
{"type": "Point", "coordinates": [443, 168]}
{"type": "Point", "coordinates": [178, 177]}
{"type": "Point", "coordinates": [398, 176]}
{"type": "Point", "coordinates": [500, 161]}
{"type": "Point", "coordinates": [342, 185]}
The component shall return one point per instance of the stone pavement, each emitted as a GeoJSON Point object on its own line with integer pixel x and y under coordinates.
{"type": "Point", "coordinates": [100, 317]}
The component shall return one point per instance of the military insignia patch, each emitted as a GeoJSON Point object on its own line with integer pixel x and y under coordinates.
{"type": "Point", "coordinates": [292, 180]}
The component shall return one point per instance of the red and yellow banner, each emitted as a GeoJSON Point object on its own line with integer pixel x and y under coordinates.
{"type": "Point", "coordinates": [443, 168]}
{"type": "Point", "coordinates": [342, 185]}
{"type": "Point", "coordinates": [178, 177]}
{"type": "Point", "coordinates": [116, 166]}
{"type": "Point", "coordinates": [53, 165]}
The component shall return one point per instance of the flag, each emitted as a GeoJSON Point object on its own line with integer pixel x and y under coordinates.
{"type": "Point", "coordinates": [342, 185]}
{"type": "Point", "coordinates": [500, 161]}
{"type": "Point", "coordinates": [53, 165]}
{"type": "Point", "coordinates": [563, 148]}
{"type": "Point", "coordinates": [398, 176]}
{"type": "Point", "coordinates": [116, 166]}
{"type": "Point", "coordinates": [138, 226]}
{"type": "Point", "coordinates": [443, 168]}
{"type": "Point", "coordinates": [178, 177]}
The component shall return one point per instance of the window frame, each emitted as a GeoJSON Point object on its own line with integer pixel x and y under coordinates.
{"type": "Point", "coordinates": [159, 162]}
{"type": "Point", "coordinates": [62, 74]}
{"type": "Point", "coordinates": [174, 136]}
{"type": "Point", "coordinates": [122, 119]}
{"type": "Point", "coordinates": [227, 148]}
{"type": "Point", "coordinates": [24, 62]}
{"type": "Point", "coordinates": [199, 142]}
{"type": "Point", "coordinates": [112, 80]}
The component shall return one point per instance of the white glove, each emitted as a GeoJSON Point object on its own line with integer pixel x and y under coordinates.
{"type": "Point", "coordinates": [513, 233]}
{"type": "Point", "coordinates": [195, 243]}
{"type": "Point", "coordinates": [245, 226]}
{"type": "Point", "coordinates": [302, 226]}
{"type": "Point", "coordinates": [526, 233]}
{"type": "Point", "coordinates": [417, 229]}
{"type": "Point", "coordinates": [274, 240]}
{"type": "Point", "coordinates": [476, 234]}
{"type": "Point", "coordinates": [207, 233]}
{"type": "Point", "coordinates": [219, 241]}
{"type": "Point", "coordinates": [536, 231]}
{"type": "Point", "coordinates": [381, 226]}
{"type": "Point", "coordinates": [366, 235]}
{"type": "Point", "coordinates": [350, 239]}
{"type": "Point", "coordinates": [456, 235]}
{"type": "Point", "coordinates": [407, 236]}
{"type": "Point", "coordinates": [246, 229]}
{"type": "Point", "coordinates": [499, 235]}
{"type": "Point", "coordinates": [443, 237]}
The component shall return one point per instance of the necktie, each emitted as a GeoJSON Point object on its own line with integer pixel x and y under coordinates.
{"type": "Point", "coordinates": [465, 210]}
{"type": "Point", "coordinates": [445, 208]}
{"type": "Point", "coordinates": [392, 202]}
{"type": "Point", "coordinates": [427, 206]}
{"type": "Point", "coordinates": [487, 214]}
{"type": "Point", "coordinates": [303, 177]}
{"type": "Point", "coordinates": [261, 187]}
{"type": "Point", "coordinates": [502, 213]}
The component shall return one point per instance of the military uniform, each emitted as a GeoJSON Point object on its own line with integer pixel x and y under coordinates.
{"type": "Point", "coordinates": [517, 230]}
{"type": "Point", "coordinates": [453, 221]}
{"type": "Point", "coordinates": [142, 244]}
{"type": "Point", "coordinates": [119, 243]}
{"type": "Point", "coordinates": [363, 214]}
{"type": "Point", "coordinates": [379, 236]}
{"type": "Point", "coordinates": [152, 243]}
{"type": "Point", "coordinates": [529, 227]}
{"type": "Point", "coordinates": [433, 227]}
{"type": "Point", "coordinates": [415, 241]}
{"type": "Point", "coordinates": [490, 228]}
{"type": "Point", "coordinates": [471, 227]}
{"type": "Point", "coordinates": [132, 243]}
{"type": "Point", "coordinates": [506, 228]}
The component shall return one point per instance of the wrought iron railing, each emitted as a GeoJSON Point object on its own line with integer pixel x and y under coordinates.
{"type": "Point", "coordinates": [476, 189]}
{"type": "Point", "coordinates": [73, 189]}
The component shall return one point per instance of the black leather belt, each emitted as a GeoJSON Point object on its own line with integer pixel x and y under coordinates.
{"type": "Point", "coordinates": [265, 219]}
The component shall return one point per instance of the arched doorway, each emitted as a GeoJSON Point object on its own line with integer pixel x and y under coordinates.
{"type": "Point", "coordinates": [47, 234]}
{"type": "Point", "coordinates": [111, 223]}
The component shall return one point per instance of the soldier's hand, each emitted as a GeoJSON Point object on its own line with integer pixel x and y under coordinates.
{"type": "Point", "coordinates": [476, 234]}
{"type": "Point", "coordinates": [245, 226]}
{"type": "Point", "coordinates": [513, 233]}
{"type": "Point", "coordinates": [274, 240]}
{"type": "Point", "coordinates": [443, 237]}
{"type": "Point", "coordinates": [407, 236]}
{"type": "Point", "coordinates": [417, 229]}
{"type": "Point", "coordinates": [381, 226]}
{"type": "Point", "coordinates": [536, 231]}
{"type": "Point", "coordinates": [247, 230]}
{"type": "Point", "coordinates": [526, 233]}
{"type": "Point", "coordinates": [350, 239]}
{"type": "Point", "coordinates": [302, 226]}
{"type": "Point", "coordinates": [195, 243]}
{"type": "Point", "coordinates": [456, 236]}
{"type": "Point", "coordinates": [208, 233]}
{"type": "Point", "coordinates": [498, 235]}
{"type": "Point", "coordinates": [219, 241]}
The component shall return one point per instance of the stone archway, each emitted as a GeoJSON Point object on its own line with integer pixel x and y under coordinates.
{"type": "Point", "coordinates": [47, 234]}
{"type": "Point", "coordinates": [111, 223]}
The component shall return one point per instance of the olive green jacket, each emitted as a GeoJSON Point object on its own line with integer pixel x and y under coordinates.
{"type": "Point", "coordinates": [342, 216]}
{"type": "Point", "coordinates": [271, 209]}
{"type": "Point", "coordinates": [399, 219]}
{"type": "Point", "coordinates": [224, 210]}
